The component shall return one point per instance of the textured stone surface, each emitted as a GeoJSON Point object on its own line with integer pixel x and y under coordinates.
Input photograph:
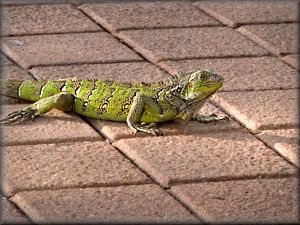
{"type": "Point", "coordinates": [116, 130]}
{"type": "Point", "coordinates": [39, 50]}
{"type": "Point", "coordinates": [22, 2]}
{"type": "Point", "coordinates": [4, 60]}
{"type": "Point", "coordinates": [77, 164]}
{"type": "Point", "coordinates": [258, 201]}
{"type": "Point", "coordinates": [54, 126]}
{"type": "Point", "coordinates": [259, 110]}
{"type": "Point", "coordinates": [284, 141]}
{"type": "Point", "coordinates": [42, 19]}
{"type": "Point", "coordinates": [133, 72]}
{"type": "Point", "coordinates": [15, 73]}
{"type": "Point", "coordinates": [10, 214]}
{"type": "Point", "coordinates": [277, 38]}
{"type": "Point", "coordinates": [255, 73]}
{"type": "Point", "coordinates": [147, 15]}
{"type": "Point", "coordinates": [183, 43]}
{"type": "Point", "coordinates": [234, 13]}
{"type": "Point", "coordinates": [131, 204]}
{"type": "Point", "coordinates": [176, 159]}
{"type": "Point", "coordinates": [292, 60]}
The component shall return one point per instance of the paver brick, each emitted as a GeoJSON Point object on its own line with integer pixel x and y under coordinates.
{"type": "Point", "coordinates": [147, 15]}
{"type": "Point", "coordinates": [254, 73]}
{"type": "Point", "coordinates": [54, 126]}
{"type": "Point", "coordinates": [133, 72]}
{"type": "Point", "coordinates": [243, 201]}
{"type": "Point", "coordinates": [115, 130]}
{"type": "Point", "coordinates": [179, 159]}
{"type": "Point", "coordinates": [277, 38]}
{"type": "Point", "coordinates": [15, 73]}
{"type": "Point", "coordinates": [126, 204]}
{"type": "Point", "coordinates": [260, 110]}
{"type": "Point", "coordinates": [76, 164]}
{"type": "Point", "coordinates": [10, 214]}
{"type": "Point", "coordinates": [292, 60]}
{"type": "Point", "coordinates": [44, 19]}
{"type": "Point", "coordinates": [283, 141]}
{"type": "Point", "coordinates": [5, 61]}
{"type": "Point", "coordinates": [40, 50]}
{"type": "Point", "coordinates": [187, 43]}
{"type": "Point", "coordinates": [235, 13]}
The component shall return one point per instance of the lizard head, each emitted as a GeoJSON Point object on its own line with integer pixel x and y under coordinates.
{"type": "Point", "coordinates": [201, 84]}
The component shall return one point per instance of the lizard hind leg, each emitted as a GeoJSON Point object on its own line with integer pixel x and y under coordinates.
{"type": "Point", "coordinates": [62, 101]}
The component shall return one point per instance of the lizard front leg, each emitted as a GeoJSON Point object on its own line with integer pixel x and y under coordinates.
{"type": "Point", "coordinates": [140, 104]}
{"type": "Point", "coordinates": [62, 101]}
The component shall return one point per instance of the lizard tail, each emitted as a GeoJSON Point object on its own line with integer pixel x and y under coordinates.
{"type": "Point", "coordinates": [30, 90]}
{"type": "Point", "coordinates": [10, 88]}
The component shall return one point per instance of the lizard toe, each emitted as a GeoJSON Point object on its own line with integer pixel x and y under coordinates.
{"type": "Point", "coordinates": [18, 116]}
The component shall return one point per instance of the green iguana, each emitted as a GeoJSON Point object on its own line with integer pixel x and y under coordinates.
{"type": "Point", "coordinates": [141, 105]}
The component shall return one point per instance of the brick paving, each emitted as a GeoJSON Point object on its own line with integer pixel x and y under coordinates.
{"type": "Point", "coordinates": [64, 168]}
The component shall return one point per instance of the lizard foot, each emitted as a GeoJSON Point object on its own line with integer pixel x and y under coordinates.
{"type": "Point", "coordinates": [148, 125]}
{"type": "Point", "coordinates": [18, 116]}
{"type": "Point", "coordinates": [211, 118]}
{"type": "Point", "coordinates": [148, 128]}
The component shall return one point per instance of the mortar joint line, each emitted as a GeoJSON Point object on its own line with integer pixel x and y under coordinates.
{"type": "Point", "coordinates": [251, 132]}
{"type": "Point", "coordinates": [158, 183]}
{"type": "Point", "coordinates": [124, 42]}
{"type": "Point", "coordinates": [235, 27]}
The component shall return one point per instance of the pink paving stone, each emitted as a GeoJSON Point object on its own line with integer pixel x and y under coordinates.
{"type": "Point", "coordinates": [235, 13]}
{"type": "Point", "coordinates": [227, 155]}
{"type": "Point", "coordinates": [76, 164]}
{"type": "Point", "coordinates": [7, 100]}
{"type": "Point", "coordinates": [147, 15]}
{"type": "Point", "coordinates": [4, 60]}
{"type": "Point", "coordinates": [292, 60]}
{"type": "Point", "coordinates": [129, 204]}
{"type": "Point", "coordinates": [10, 214]}
{"type": "Point", "coordinates": [277, 38]}
{"type": "Point", "coordinates": [260, 110]}
{"type": "Point", "coordinates": [43, 19]}
{"type": "Point", "coordinates": [15, 73]}
{"type": "Point", "coordinates": [187, 43]}
{"type": "Point", "coordinates": [54, 126]}
{"type": "Point", "coordinates": [40, 50]}
{"type": "Point", "coordinates": [255, 73]}
{"type": "Point", "coordinates": [259, 201]}
{"type": "Point", "coordinates": [283, 141]}
{"type": "Point", "coordinates": [115, 130]}
{"type": "Point", "coordinates": [133, 72]}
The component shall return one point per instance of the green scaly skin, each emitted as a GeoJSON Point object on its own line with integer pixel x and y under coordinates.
{"type": "Point", "coordinates": [140, 105]}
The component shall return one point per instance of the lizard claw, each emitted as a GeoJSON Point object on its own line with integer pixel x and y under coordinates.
{"type": "Point", "coordinates": [226, 118]}
{"type": "Point", "coordinates": [157, 132]}
{"type": "Point", "coordinates": [150, 128]}
{"type": "Point", "coordinates": [147, 129]}
{"type": "Point", "coordinates": [150, 125]}
{"type": "Point", "coordinates": [134, 131]}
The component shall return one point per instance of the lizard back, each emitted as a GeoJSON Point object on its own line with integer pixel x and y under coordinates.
{"type": "Point", "coordinates": [107, 100]}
